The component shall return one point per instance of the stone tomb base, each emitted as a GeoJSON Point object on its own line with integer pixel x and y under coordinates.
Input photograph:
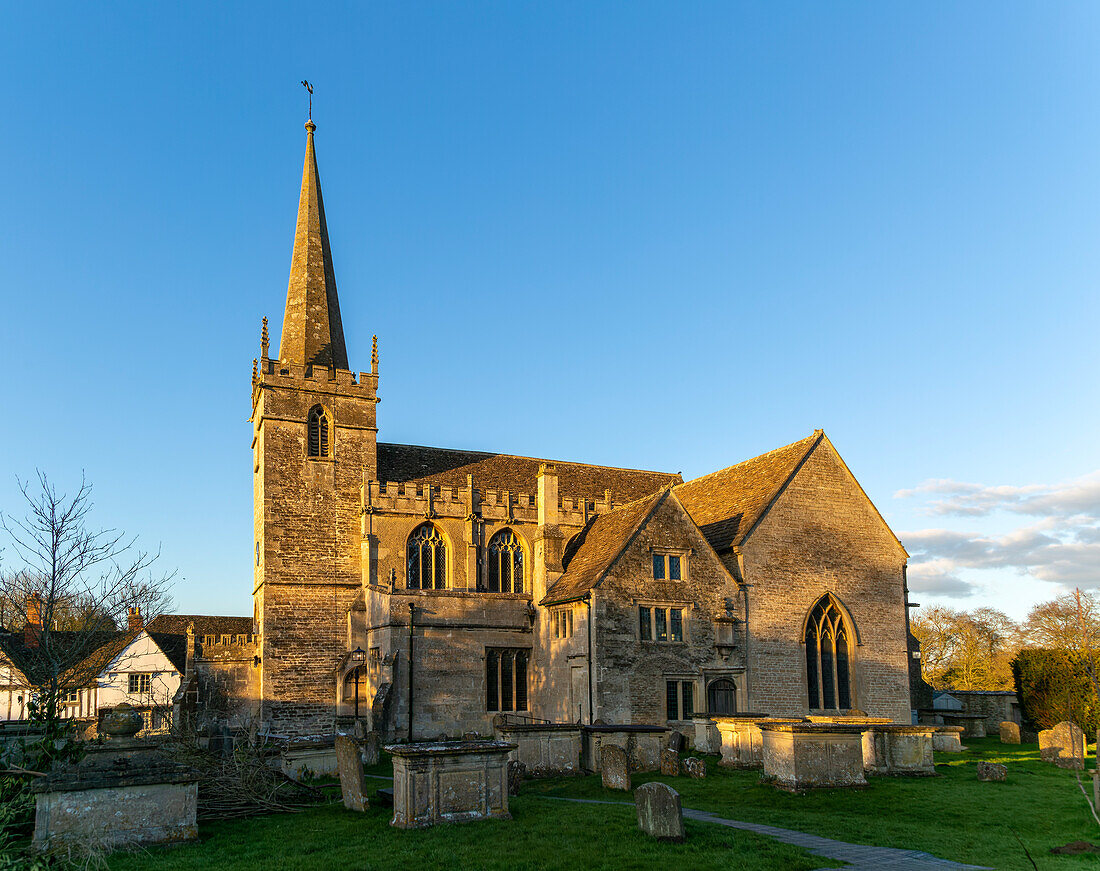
{"type": "Point", "coordinates": [904, 750]}
{"type": "Point", "coordinates": [801, 756]}
{"type": "Point", "coordinates": [643, 745]}
{"type": "Point", "coordinates": [547, 749]}
{"type": "Point", "coordinates": [947, 739]}
{"type": "Point", "coordinates": [742, 740]}
{"type": "Point", "coordinates": [449, 781]}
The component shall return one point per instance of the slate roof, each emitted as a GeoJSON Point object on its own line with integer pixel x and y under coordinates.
{"type": "Point", "coordinates": [726, 504]}
{"type": "Point", "coordinates": [449, 468]}
{"type": "Point", "coordinates": [597, 546]}
{"type": "Point", "coordinates": [176, 624]}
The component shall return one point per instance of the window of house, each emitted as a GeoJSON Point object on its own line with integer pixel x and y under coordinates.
{"type": "Point", "coordinates": [563, 622]}
{"type": "Point", "coordinates": [375, 653]}
{"type": "Point", "coordinates": [828, 658]}
{"type": "Point", "coordinates": [138, 683]}
{"type": "Point", "coordinates": [679, 699]}
{"type": "Point", "coordinates": [505, 679]}
{"type": "Point", "coordinates": [72, 697]}
{"type": "Point", "coordinates": [722, 696]}
{"type": "Point", "coordinates": [505, 571]}
{"type": "Point", "coordinates": [667, 565]}
{"type": "Point", "coordinates": [161, 720]}
{"type": "Point", "coordinates": [426, 559]}
{"type": "Point", "coordinates": [318, 439]}
{"type": "Point", "coordinates": [660, 624]}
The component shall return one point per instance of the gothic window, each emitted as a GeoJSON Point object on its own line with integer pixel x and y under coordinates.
{"type": "Point", "coordinates": [828, 658]}
{"type": "Point", "coordinates": [505, 680]}
{"type": "Point", "coordinates": [319, 439]}
{"type": "Point", "coordinates": [722, 696]}
{"type": "Point", "coordinates": [505, 563]}
{"type": "Point", "coordinates": [426, 559]}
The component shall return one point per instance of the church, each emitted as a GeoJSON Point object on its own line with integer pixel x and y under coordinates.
{"type": "Point", "coordinates": [432, 590]}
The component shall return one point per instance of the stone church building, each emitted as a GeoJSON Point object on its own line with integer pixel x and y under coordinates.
{"type": "Point", "coordinates": [433, 589]}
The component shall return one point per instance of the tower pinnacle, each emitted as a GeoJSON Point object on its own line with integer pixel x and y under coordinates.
{"type": "Point", "coordinates": [312, 331]}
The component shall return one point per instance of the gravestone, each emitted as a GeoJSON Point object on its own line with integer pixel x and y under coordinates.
{"type": "Point", "coordinates": [1064, 745]}
{"type": "Point", "coordinates": [1010, 732]}
{"type": "Point", "coordinates": [992, 772]}
{"type": "Point", "coordinates": [353, 786]}
{"type": "Point", "coordinates": [695, 768]}
{"type": "Point", "coordinates": [516, 772]}
{"type": "Point", "coordinates": [670, 763]}
{"type": "Point", "coordinates": [676, 741]}
{"type": "Point", "coordinates": [660, 813]}
{"type": "Point", "coordinates": [614, 767]}
{"type": "Point", "coordinates": [370, 748]}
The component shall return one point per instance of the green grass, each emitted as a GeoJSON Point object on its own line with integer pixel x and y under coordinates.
{"type": "Point", "coordinates": [952, 816]}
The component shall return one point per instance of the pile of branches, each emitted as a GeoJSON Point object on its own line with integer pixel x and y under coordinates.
{"type": "Point", "coordinates": [244, 784]}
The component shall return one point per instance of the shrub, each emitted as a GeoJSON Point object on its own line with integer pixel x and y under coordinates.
{"type": "Point", "coordinates": [1054, 685]}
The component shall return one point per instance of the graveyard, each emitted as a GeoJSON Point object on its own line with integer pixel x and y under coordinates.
{"type": "Point", "coordinates": [952, 815]}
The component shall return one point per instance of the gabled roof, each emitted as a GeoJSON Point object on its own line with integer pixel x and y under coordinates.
{"type": "Point", "coordinates": [727, 504]}
{"type": "Point", "coordinates": [449, 468]}
{"type": "Point", "coordinates": [176, 624]}
{"type": "Point", "coordinates": [597, 547]}
{"type": "Point", "coordinates": [174, 647]}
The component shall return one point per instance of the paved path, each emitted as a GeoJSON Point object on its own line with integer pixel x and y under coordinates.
{"type": "Point", "coordinates": [858, 856]}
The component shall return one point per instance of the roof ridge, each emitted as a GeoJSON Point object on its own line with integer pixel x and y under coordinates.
{"type": "Point", "coordinates": [812, 435]}
{"type": "Point", "coordinates": [536, 459]}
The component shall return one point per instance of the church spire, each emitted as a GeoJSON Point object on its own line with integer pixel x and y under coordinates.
{"type": "Point", "coordinates": [312, 331]}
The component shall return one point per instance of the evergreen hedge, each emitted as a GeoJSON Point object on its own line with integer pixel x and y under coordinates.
{"type": "Point", "coordinates": [1054, 685]}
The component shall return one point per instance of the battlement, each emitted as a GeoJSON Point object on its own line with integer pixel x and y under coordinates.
{"type": "Point", "coordinates": [434, 500]}
{"type": "Point", "coordinates": [282, 373]}
{"type": "Point", "coordinates": [212, 644]}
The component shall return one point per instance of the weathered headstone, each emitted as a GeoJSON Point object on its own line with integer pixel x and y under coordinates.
{"type": "Point", "coordinates": [614, 767]}
{"type": "Point", "coordinates": [660, 813]}
{"type": "Point", "coordinates": [695, 767]}
{"type": "Point", "coordinates": [676, 741]}
{"type": "Point", "coordinates": [1010, 732]}
{"type": "Point", "coordinates": [516, 772]}
{"type": "Point", "coordinates": [992, 771]}
{"type": "Point", "coordinates": [670, 762]}
{"type": "Point", "coordinates": [370, 748]}
{"type": "Point", "coordinates": [353, 786]}
{"type": "Point", "coordinates": [1064, 745]}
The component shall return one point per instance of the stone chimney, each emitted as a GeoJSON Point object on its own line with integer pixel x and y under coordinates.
{"type": "Point", "coordinates": [548, 538]}
{"type": "Point", "coordinates": [133, 620]}
{"type": "Point", "coordinates": [33, 628]}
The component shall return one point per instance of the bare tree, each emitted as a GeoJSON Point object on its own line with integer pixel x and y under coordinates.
{"type": "Point", "coordinates": [1064, 623]}
{"type": "Point", "coordinates": [76, 586]}
{"type": "Point", "coordinates": [966, 650]}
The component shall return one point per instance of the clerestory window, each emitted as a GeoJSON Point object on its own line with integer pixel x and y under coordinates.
{"type": "Point", "coordinates": [505, 569]}
{"type": "Point", "coordinates": [426, 559]}
{"type": "Point", "coordinates": [319, 438]}
{"type": "Point", "coordinates": [828, 658]}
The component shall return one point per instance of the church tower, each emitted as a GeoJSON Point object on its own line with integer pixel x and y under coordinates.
{"type": "Point", "coordinates": [314, 444]}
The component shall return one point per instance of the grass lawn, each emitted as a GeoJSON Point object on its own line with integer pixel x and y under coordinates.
{"type": "Point", "coordinates": [952, 816]}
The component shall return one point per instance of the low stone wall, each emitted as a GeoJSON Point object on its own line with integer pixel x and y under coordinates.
{"type": "Point", "coordinates": [801, 756]}
{"type": "Point", "coordinates": [741, 739]}
{"type": "Point", "coordinates": [547, 749]}
{"type": "Point", "coordinates": [643, 745]}
{"type": "Point", "coordinates": [973, 724]}
{"type": "Point", "coordinates": [900, 750]}
{"type": "Point", "coordinates": [451, 781]}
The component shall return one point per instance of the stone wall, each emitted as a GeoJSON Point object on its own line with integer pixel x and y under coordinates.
{"type": "Point", "coordinates": [821, 536]}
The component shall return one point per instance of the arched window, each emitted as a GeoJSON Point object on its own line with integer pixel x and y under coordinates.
{"type": "Point", "coordinates": [722, 696]}
{"type": "Point", "coordinates": [426, 559]}
{"type": "Point", "coordinates": [828, 658]}
{"type": "Point", "coordinates": [319, 441]}
{"type": "Point", "coordinates": [505, 572]}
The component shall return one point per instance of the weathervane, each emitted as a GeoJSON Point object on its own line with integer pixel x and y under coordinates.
{"type": "Point", "coordinates": [309, 88]}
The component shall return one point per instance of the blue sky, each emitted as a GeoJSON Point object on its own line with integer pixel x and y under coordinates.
{"type": "Point", "coordinates": [668, 236]}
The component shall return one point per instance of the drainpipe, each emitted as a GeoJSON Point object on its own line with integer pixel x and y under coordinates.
{"type": "Point", "coordinates": [748, 634]}
{"type": "Point", "coordinates": [591, 701]}
{"type": "Point", "coordinates": [412, 612]}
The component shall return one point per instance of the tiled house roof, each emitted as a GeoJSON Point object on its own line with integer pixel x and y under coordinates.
{"type": "Point", "coordinates": [449, 468]}
{"type": "Point", "coordinates": [726, 504]}
{"type": "Point", "coordinates": [176, 624]}
{"type": "Point", "coordinates": [598, 545]}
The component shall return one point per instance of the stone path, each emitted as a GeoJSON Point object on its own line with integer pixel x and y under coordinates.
{"type": "Point", "coordinates": [858, 856]}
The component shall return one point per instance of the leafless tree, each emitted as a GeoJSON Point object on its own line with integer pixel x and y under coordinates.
{"type": "Point", "coordinates": [76, 586]}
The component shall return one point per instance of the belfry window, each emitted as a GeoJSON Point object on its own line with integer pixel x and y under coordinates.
{"type": "Point", "coordinates": [828, 658]}
{"type": "Point", "coordinates": [426, 559]}
{"type": "Point", "coordinates": [505, 571]}
{"type": "Point", "coordinates": [319, 439]}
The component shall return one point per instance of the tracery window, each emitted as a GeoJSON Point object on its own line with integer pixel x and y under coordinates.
{"type": "Point", "coordinates": [828, 658]}
{"type": "Point", "coordinates": [319, 441]}
{"type": "Point", "coordinates": [426, 559]}
{"type": "Point", "coordinates": [505, 679]}
{"type": "Point", "coordinates": [505, 570]}
{"type": "Point", "coordinates": [722, 696]}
